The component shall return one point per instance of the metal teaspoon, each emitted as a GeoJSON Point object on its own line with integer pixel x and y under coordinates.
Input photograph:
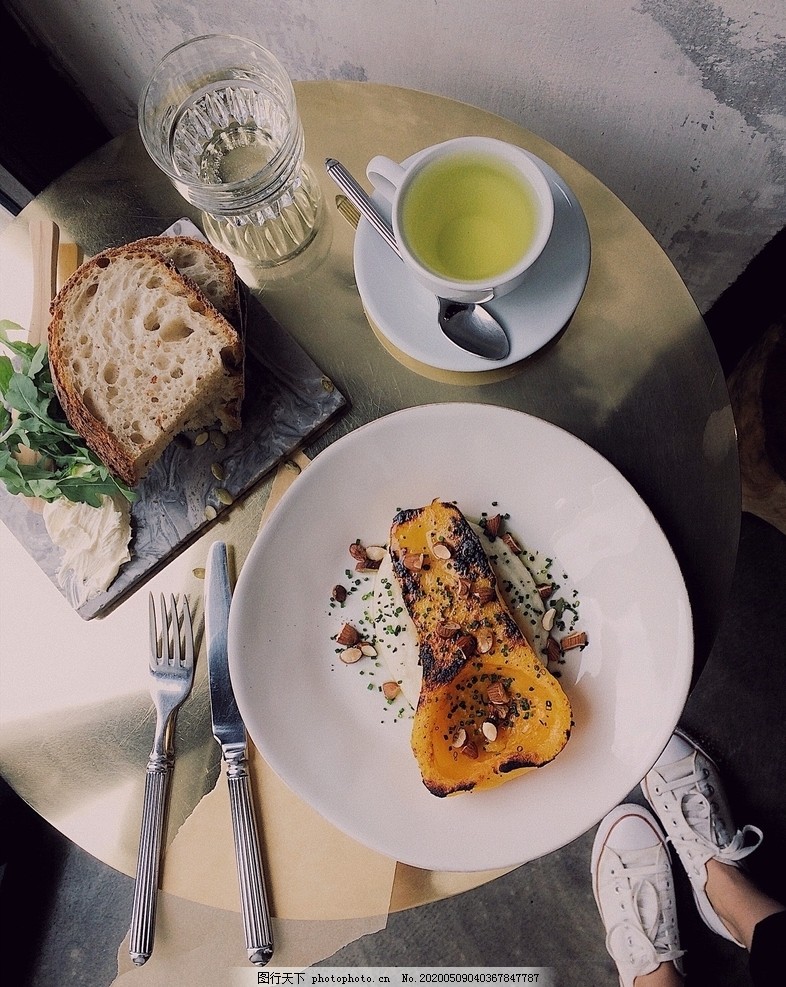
{"type": "Point", "coordinates": [467, 325]}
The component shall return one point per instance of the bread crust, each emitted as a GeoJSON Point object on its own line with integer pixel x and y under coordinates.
{"type": "Point", "coordinates": [129, 463]}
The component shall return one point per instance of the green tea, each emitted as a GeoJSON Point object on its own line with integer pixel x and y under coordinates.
{"type": "Point", "coordinates": [469, 216]}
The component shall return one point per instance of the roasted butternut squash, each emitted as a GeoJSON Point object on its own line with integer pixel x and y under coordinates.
{"type": "Point", "coordinates": [488, 708]}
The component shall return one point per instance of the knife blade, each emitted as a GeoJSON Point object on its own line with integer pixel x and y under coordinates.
{"type": "Point", "coordinates": [230, 732]}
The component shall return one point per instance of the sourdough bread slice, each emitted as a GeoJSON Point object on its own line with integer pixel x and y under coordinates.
{"type": "Point", "coordinates": [216, 277]}
{"type": "Point", "coordinates": [137, 352]}
{"type": "Point", "coordinates": [199, 260]}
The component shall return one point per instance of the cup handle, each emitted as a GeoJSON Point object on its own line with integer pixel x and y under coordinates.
{"type": "Point", "coordinates": [385, 175]}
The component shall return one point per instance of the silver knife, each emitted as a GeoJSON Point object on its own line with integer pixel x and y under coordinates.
{"type": "Point", "coordinates": [229, 731]}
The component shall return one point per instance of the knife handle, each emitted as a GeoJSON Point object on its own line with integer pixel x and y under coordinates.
{"type": "Point", "coordinates": [143, 912]}
{"type": "Point", "coordinates": [257, 926]}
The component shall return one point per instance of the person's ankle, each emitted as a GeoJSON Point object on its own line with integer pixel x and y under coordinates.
{"type": "Point", "coordinates": [666, 975]}
{"type": "Point", "coordinates": [724, 883]}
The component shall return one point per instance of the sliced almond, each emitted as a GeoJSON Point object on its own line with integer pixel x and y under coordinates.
{"type": "Point", "coordinates": [357, 551]}
{"type": "Point", "coordinates": [459, 738]}
{"type": "Point", "coordinates": [376, 553]}
{"type": "Point", "coordinates": [350, 655]}
{"type": "Point", "coordinates": [348, 635]}
{"type": "Point", "coordinates": [440, 550]}
{"type": "Point", "coordinates": [463, 587]}
{"type": "Point", "coordinates": [575, 640]}
{"type": "Point", "coordinates": [413, 561]}
{"type": "Point", "coordinates": [470, 749]}
{"type": "Point", "coordinates": [544, 590]}
{"type": "Point", "coordinates": [484, 594]}
{"type": "Point", "coordinates": [512, 544]}
{"type": "Point", "coordinates": [496, 693]}
{"type": "Point", "coordinates": [485, 639]}
{"type": "Point", "coordinates": [448, 628]}
{"type": "Point", "coordinates": [493, 525]}
{"type": "Point", "coordinates": [553, 650]}
{"type": "Point", "coordinates": [467, 645]}
{"type": "Point", "coordinates": [498, 711]}
{"type": "Point", "coordinates": [390, 690]}
{"type": "Point", "coordinates": [368, 650]}
{"type": "Point", "coordinates": [548, 619]}
{"type": "Point", "coordinates": [489, 730]}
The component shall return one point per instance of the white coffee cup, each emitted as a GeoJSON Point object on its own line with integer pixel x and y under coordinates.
{"type": "Point", "coordinates": [470, 215]}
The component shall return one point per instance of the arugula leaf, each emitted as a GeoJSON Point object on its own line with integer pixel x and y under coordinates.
{"type": "Point", "coordinates": [18, 346]}
{"type": "Point", "coordinates": [6, 372]}
{"type": "Point", "coordinates": [31, 417]}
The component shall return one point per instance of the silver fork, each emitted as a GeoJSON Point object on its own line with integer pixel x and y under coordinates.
{"type": "Point", "coordinates": [171, 676]}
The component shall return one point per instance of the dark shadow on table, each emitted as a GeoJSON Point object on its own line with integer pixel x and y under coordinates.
{"type": "Point", "coordinates": [32, 858]}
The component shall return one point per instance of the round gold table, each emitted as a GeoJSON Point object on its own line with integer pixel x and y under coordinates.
{"type": "Point", "coordinates": [635, 375]}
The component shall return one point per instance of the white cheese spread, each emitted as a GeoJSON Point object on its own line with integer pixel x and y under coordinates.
{"type": "Point", "coordinates": [94, 542]}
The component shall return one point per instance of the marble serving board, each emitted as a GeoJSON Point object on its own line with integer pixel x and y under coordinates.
{"type": "Point", "coordinates": [288, 399]}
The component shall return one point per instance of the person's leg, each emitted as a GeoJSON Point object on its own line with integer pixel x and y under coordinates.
{"type": "Point", "coordinates": [666, 975]}
{"type": "Point", "coordinates": [634, 890]}
{"type": "Point", "coordinates": [766, 964]}
{"type": "Point", "coordinates": [737, 901]}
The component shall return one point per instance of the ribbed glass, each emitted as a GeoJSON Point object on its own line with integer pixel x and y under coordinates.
{"type": "Point", "coordinates": [219, 118]}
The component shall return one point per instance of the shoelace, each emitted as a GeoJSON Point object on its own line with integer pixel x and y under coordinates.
{"type": "Point", "coordinates": [644, 935]}
{"type": "Point", "coordinates": [701, 819]}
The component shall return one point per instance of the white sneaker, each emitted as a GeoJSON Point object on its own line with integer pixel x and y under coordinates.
{"type": "Point", "coordinates": [634, 891]}
{"type": "Point", "coordinates": [685, 790]}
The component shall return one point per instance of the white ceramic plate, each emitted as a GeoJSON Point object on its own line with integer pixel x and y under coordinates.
{"type": "Point", "coordinates": [406, 313]}
{"type": "Point", "coordinates": [326, 733]}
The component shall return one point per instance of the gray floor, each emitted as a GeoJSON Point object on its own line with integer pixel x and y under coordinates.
{"type": "Point", "coordinates": [64, 913]}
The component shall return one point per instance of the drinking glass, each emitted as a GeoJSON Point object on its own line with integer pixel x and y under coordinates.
{"type": "Point", "coordinates": [219, 118]}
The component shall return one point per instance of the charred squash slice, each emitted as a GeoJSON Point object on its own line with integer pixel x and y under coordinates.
{"type": "Point", "coordinates": [488, 708]}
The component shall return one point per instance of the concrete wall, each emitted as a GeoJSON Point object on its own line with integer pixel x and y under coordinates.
{"type": "Point", "coordinates": [678, 106]}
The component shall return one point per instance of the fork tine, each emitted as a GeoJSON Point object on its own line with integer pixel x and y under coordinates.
{"type": "Point", "coordinates": [164, 631]}
{"type": "Point", "coordinates": [151, 607]}
{"type": "Point", "coordinates": [176, 649]}
{"type": "Point", "coordinates": [188, 633]}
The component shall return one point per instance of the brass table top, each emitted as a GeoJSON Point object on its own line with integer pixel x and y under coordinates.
{"type": "Point", "coordinates": [635, 375]}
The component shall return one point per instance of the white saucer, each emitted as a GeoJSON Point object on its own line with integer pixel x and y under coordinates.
{"type": "Point", "coordinates": [406, 313]}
